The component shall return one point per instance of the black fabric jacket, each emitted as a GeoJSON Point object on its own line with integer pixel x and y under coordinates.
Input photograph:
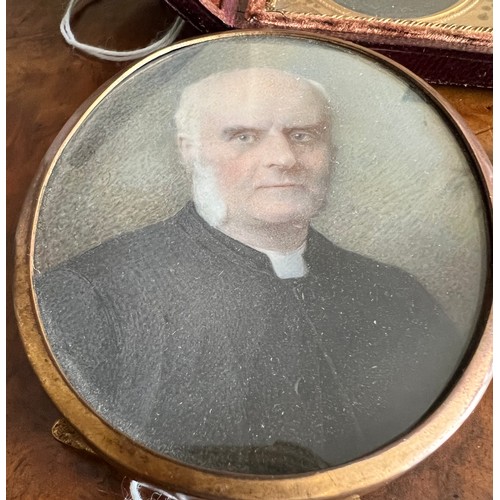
{"type": "Point", "coordinates": [186, 340]}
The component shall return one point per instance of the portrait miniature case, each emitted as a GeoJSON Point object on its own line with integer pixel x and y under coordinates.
{"type": "Point", "coordinates": [444, 42]}
{"type": "Point", "coordinates": [183, 354]}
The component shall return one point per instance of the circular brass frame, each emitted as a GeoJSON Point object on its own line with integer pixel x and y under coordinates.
{"type": "Point", "coordinates": [358, 477]}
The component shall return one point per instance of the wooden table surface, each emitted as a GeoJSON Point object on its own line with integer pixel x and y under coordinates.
{"type": "Point", "coordinates": [46, 82]}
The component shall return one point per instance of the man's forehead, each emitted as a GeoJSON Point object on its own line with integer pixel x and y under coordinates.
{"type": "Point", "coordinates": [262, 114]}
{"type": "Point", "coordinates": [254, 97]}
{"type": "Point", "coordinates": [260, 93]}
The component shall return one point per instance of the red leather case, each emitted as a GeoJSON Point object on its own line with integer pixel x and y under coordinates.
{"type": "Point", "coordinates": [432, 47]}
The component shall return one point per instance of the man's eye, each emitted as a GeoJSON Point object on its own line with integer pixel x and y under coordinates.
{"type": "Point", "coordinates": [302, 136]}
{"type": "Point", "coordinates": [245, 138]}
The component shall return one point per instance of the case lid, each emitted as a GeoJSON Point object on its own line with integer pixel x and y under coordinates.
{"type": "Point", "coordinates": [446, 42]}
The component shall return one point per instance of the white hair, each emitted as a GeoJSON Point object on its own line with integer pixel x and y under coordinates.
{"type": "Point", "coordinates": [207, 199]}
{"type": "Point", "coordinates": [188, 112]}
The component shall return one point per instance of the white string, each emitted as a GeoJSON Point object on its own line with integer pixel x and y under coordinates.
{"type": "Point", "coordinates": [135, 492]}
{"type": "Point", "coordinates": [115, 55]}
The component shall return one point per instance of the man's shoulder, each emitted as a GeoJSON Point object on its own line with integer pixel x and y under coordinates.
{"type": "Point", "coordinates": [374, 287]}
{"type": "Point", "coordinates": [322, 248]}
{"type": "Point", "coordinates": [144, 248]}
{"type": "Point", "coordinates": [357, 268]}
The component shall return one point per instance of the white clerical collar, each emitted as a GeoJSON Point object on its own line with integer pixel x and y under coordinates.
{"type": "Point", "coordinates": [285, 264]}
{"type": "Point", "coordinates": [289, 264]}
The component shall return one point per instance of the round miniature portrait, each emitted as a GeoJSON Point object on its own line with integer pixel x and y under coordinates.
{"type": "Point", "coordinates": [258, 254]}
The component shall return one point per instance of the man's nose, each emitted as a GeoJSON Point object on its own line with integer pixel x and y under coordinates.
{"type": "Point", "coordinates": [279, 152]}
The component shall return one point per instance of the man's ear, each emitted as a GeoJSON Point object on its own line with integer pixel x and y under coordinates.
{"type": "Point", "coordinates": [187, 149]}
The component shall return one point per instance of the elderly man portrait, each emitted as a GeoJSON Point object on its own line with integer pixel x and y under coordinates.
{"type": "Point", "coordinates": [234, 335]}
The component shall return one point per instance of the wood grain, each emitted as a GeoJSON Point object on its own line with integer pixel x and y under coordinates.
{"type": "Point", "coordinates": [46, 82]}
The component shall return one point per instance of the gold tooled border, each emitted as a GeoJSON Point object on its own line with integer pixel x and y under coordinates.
{"type": "Point", "coordinates": [373, 30]}
{"type": "Point", "coordinates": [334, 9]}
{"type": "Point", "coordinates": [458, 8]}
{"type": "Point", "coordinates": [358, 477]}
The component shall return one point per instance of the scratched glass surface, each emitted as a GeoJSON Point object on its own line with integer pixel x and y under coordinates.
{"type": "Point", "coordinates": [281, 277]}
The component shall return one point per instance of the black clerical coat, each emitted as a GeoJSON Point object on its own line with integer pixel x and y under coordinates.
{"type": "Point", "coordinates": [186, 340]}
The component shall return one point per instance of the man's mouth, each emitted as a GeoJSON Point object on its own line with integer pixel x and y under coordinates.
{"type": "Point", "coordinates": [281, 185]}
